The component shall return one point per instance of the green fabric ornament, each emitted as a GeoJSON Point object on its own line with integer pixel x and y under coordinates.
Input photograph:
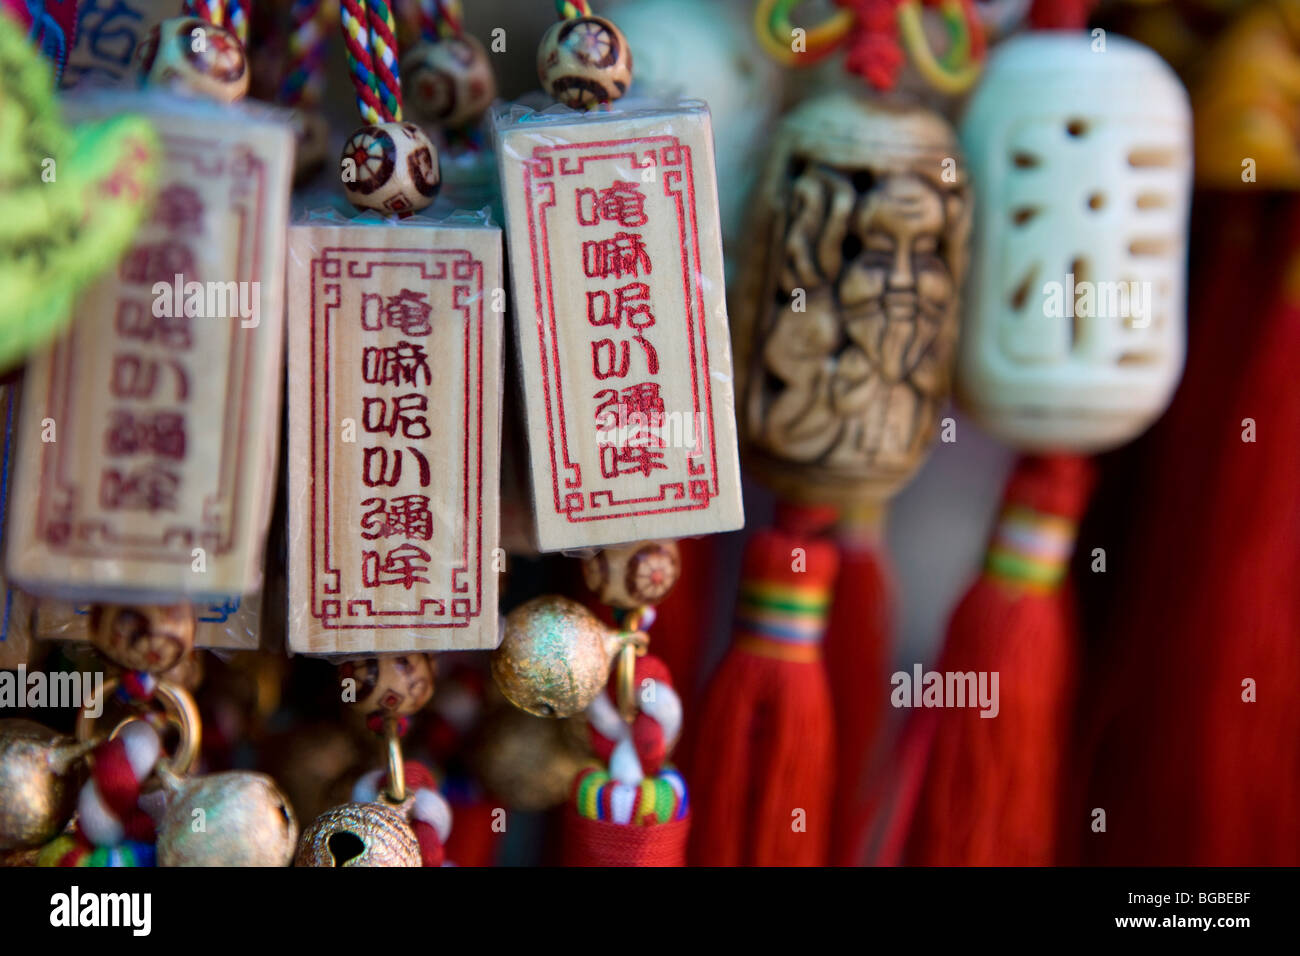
{"type": "Point", "coordinates": [70, 199]}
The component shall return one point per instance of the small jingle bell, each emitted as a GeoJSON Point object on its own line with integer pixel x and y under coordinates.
{"type": "Point", "coordinates": [634, 575]}
{"type": "Point", "coordinates": [529, 762]}
{"type": "Point", "coordinates": [584, 62]}
{"type": "Point", "coordinates": [150, 637]}
{"type": "Point", "coordinates": [449, 82]}
{"type": "Point", "coordinates": [38, 782]}
{"type": "Point", "coordinates": [392, 686]}
{"type": "Point", "coordinates": [391, 168]}
{"type": "Point", "coordinates": [554, 658]}
{"type": "Point", "coordinates": [359, 834]}
{"type": "Point", "coordinates": [246, 821]}
{"type": "Point", "coordinates": [200, 56]}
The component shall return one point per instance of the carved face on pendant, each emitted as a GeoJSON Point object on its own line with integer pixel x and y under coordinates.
{"type": "Point", "coordinates": [851, 341]}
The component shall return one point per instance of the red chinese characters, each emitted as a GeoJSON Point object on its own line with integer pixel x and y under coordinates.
{"type": "Point", "coordinates": [150, 428]}
{"type": "Point", "coordinates": [144, 441]}
{"type": "Point", "coordinates": [401, 415]}
{"type": "Point", "coordinates": [394, 378]}
{"type": "Point", "coordinates": [622, 335]}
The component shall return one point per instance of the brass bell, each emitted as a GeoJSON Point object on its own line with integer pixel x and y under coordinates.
{"type": "Point", "coordinates": [38, 782]}
{"type": "Point", "coordinates": [237, 818]}
{"type": "Point", "coordinates": [529, 762]}
{"type": "Point", "coordinates": [359, 834]}
{"type": "Point", "coordinates": [554, 658]}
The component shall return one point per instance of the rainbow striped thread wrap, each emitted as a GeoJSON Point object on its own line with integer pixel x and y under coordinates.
{"type": "Point", "coordinates": [782, 620]}
{"type": "Point", "coordinates": [1031, 549]}
{"type": "Point", "coordinates": [658, 799]}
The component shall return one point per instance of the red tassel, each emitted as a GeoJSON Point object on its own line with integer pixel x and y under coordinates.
{"type": "Point", "coordinates": [857, 662]}
{"type": "Point", "coordinates": [1060, 14]}
{"type": "Point", "coordinates": [992, 790]}
{"type": "Point", "coordinates": [475, 837]}
{"type": "Point", "coordinates": [1187, 771]}
{"type": "Point", "coordinates": [601, 843]}
{"type": "Point", "coordinates": [685, 614]}
{"type": "Point", "coordinates": [765, 755]}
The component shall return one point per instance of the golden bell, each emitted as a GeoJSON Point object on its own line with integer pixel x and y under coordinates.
{"type": "Point", "coordinates": [554, 658]}
{"type": "Point", "coordinates": [38, 782]}
{"type": "Point", "coordinates": [236, 818]}
{"type": "Point", "coordinates": [359, 834]}
{"type": "Point", "coordinates": [529, 762]}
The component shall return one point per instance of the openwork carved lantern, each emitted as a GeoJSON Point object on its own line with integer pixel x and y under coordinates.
{"type": "Point", "coordinates": [1073, 337]}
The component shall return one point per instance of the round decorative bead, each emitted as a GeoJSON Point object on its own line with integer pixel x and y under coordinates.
{"type": "Point", "coordinates": [204, 58]}
{"type": "Point", "coordinates": [449, 82]}
{"type": "Point", "coordinates": [391, 168]}
{"type": "Point", "coordinates": [554, 658]}
{"type": "Point", "coordinates": [584, 62]}
{"type": "Point", "coordinates": [633, 575]}
{"type": "Point", "coordinates": [393, 686]}
{"type": "Point", "coordinates": [247, 821]}
{"type": "Point", "coordinates": [145, 637]}
{"type": "Point", "coordinates": [359, 834]}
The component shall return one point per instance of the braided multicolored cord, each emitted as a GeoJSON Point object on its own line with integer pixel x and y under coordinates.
{"type": "Point", "coordinates": [369, 37]}
{"type": "Point", "coordinates": [304, 79]}
{"type": "Point", "coordinates": [231, 14]}
{"type": "Point", "coordinates": [441, 19]}
{"type": "Point", "coordinates": [568, 9]}
{"type": "Point", "coordinates": [878, 36]}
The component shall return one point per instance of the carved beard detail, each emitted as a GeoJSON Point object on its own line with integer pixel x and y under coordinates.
{"type": "Point", "coordinates": [854, 380]}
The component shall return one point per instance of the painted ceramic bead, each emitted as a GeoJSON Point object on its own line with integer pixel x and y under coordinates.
{"type": "Point", "coordinates": [146, 637]}
{"type": "Point", "coordinates": [358, 834]}
{"type": "Point", "coordinates": [1074, 330]}
{"type": "Point", "coordinates": [449, 82]}
{"type": "Point", "coordinates": [584, 62]}
{"type": "Point", "coordinates": [633, 575]}
{"type": "Point", "coordinates": [390, 686]}
{"type": "Point", "coordinates": [204, 58]}
{"type": "Point", "coordinates": [391, 168]}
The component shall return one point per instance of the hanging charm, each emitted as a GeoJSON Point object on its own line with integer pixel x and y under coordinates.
{"type": "Point", "coordinates": [615, 250]}
{"type": "Point", "coordinates": [1073, 344]}
{"type": "Point", "coordinates": [165, 391]}
{"type": "Point", "coordinates": [848, 325]}
{"type": "Point", "coordinates": [1076, 329]}
{"type": "Point", "coordinates": [394, 443]}
{"type": "Point", "coordinates": [397, 817]}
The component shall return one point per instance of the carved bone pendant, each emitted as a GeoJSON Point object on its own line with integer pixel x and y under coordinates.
{"type": "Point", "coordinates": [846, 324]}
